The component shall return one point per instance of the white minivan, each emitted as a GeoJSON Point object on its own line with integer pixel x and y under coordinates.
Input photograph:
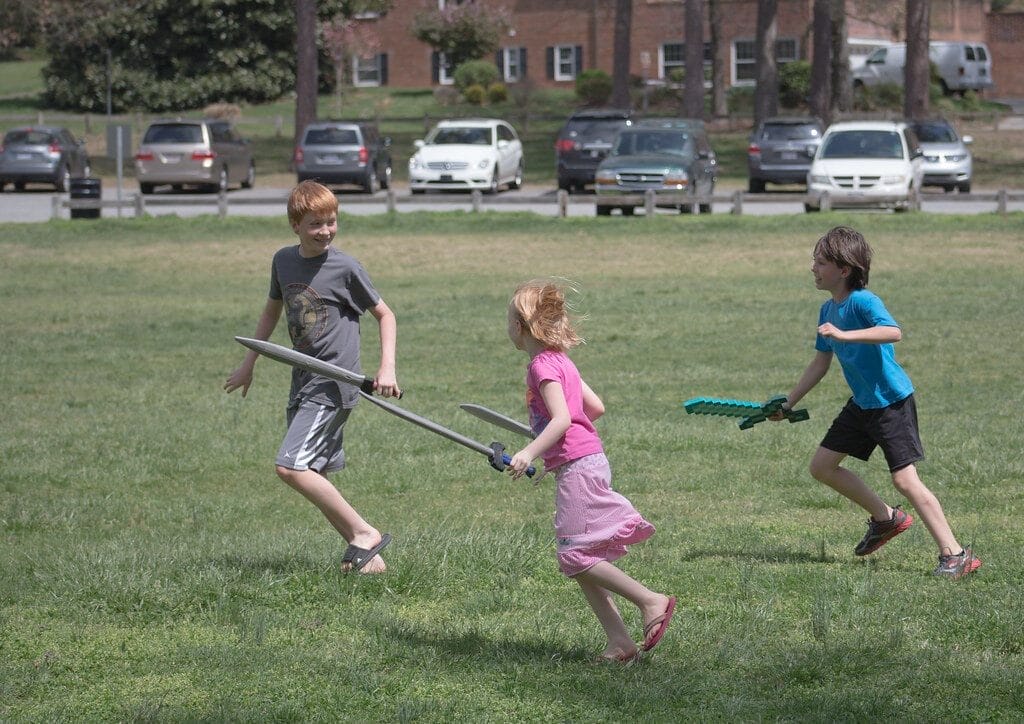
{"type": "Point", "coordinates": [961, 66]}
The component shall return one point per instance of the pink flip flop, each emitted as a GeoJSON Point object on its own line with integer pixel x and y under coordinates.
{"type": "Point", "coordinates": [656, 628]}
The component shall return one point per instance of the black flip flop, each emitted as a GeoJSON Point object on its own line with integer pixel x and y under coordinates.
{"type": "Point", "coordinates": [359, 557]}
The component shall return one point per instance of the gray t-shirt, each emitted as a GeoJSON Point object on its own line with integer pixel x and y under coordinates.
{"type": "Point", "coordinates": [323, 300]}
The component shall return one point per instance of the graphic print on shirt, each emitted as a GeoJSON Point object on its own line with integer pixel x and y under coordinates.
{"type": "Point", "coordinates": [539, 417]}
{"type": "Point", "coordinates": [307, 315]}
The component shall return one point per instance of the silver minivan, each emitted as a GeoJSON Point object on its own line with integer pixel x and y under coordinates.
{"type": "Point", "coordinates": [205, 153]}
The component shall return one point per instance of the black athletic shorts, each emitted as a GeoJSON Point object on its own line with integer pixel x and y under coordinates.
{"type": "Point", "coordinates": [858, 432]}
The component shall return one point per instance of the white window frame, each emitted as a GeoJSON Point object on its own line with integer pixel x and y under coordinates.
{"type": "Point", "coordinates": [510, 70]}
{"type": "Point", "coordinates": [569, 58]}
{"type": "Point", "coordinates": [361, 65]}
{"type": "Point", "coordinates": [444, 76]}
{"type": "Point", "coordinates": [780, 60]}
{"type": "Point", "coordinates": [664, 70]}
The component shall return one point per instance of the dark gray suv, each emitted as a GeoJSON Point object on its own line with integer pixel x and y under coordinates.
{"type": "Point", "coordinates": [344, 152]}
{"type": "Point", "coordinates": [584, 141]}
{"type": "Point", "coordinates": [781, 150]}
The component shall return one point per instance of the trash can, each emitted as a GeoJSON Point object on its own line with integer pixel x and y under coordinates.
{"type": "Point", "coordinates": [86, 188]}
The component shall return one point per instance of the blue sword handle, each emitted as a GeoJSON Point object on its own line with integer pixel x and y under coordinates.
{"type": "Point", "coordinates": [500, 459]}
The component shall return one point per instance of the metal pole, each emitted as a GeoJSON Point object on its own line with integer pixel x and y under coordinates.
{"type": "Point", "coordinates": [120, 161]}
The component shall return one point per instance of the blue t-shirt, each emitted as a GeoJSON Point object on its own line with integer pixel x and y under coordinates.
{"type": "Point", "coordinates": [871, 370]}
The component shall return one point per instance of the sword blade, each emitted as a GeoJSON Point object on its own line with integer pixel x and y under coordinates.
{"type": "Point", "coordinates": [306, 362]}
{"type": "Point", "coordinates": [496, 418]}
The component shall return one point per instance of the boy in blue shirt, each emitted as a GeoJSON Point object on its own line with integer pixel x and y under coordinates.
{"type": "Point", "coordinates": [855, 327]}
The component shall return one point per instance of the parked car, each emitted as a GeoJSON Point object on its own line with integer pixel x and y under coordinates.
{"type": "Point", "coordinates": [584, 141]}
{"type": "Point", "coordinates": [42, 154]}
{"type": "Point", "coordinates": [466, 154]}
{"type": "Point", "coordinates": [947, 160]}
{"type": "Point", "coordinates": [867, 163]}
{"type": "Point", "coordinates": [344, 152]}
{"type": "Point", "coordinates": [667, 155]}
{"type": "Point", "coordinates": [781, 150]}
{"type": "Point", "coordinates": [961, 66]}
{"type": "Point", "coordinates": [206, 153]}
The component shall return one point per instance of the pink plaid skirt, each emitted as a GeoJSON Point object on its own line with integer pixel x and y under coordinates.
{"type": "Point", "coordinates": [593, 523]}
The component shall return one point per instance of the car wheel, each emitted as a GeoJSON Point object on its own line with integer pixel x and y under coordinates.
{"type": "Point", "coordinates": [756, 186]}
{"type": "Point", "coordinates": [63, 182]}
{"type": "Point", "coordinates": [493, 188]}
{"type": "Point", "coordinates": [222, 181]}
{"type": "Point", "coordinates": [385, 183]}
{"type": "Point", "coordinates": [517, 182]}
{"type": "Point", "coordinates": [964, 188]}
{"type": "Point", "coordinates": [19, 185]}
{"type": "Point", "coordinates": [604, 210]}
{"type": "Point", "coordinates": [811, 209]}
{"type": "Point", "coordinates": [250, 177]}
{"type": "Point", "coordinates": [146, 188]}
{"type": "Point", "coordinates": [371, 184]}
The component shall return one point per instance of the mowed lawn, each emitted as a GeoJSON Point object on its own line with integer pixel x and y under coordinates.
{"type": "Point", "coordinates": [153, 568]}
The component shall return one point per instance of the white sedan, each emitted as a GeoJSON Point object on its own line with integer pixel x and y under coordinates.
{"type": "Point", "coordinates": [867, 163]}
{"type": "Point", "coordinates": [466, 154]}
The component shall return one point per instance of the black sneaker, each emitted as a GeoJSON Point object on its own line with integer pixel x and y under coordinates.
{"type": "Point", "coordinates": [959, 565]}
{"type": "Point", "coordinates": [879, 533]}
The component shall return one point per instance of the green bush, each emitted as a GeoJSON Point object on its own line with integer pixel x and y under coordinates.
{"type": "Point", "coordinates": [594, 87]}
{"type": "Point", "coordinates": [794, 83]}
{"type": "Point", "coordinates": [475, 94]}
{"type": "Point", "coordinates": [475, 72]}
{"type": "Point", "coordinates": [497, 93]}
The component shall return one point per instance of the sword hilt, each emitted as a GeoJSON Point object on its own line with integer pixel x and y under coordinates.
{"type": "Point", "coordinates": [500, 460]}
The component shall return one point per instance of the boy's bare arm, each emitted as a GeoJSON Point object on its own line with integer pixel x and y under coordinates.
{"type": "Point", "coordinates": [242, 377]}
{"type": "Point", "coordinates": [814, 373]}
{"type": "Point", "coordinates": [872, 335]}
{"type": "Point", "coordinates": [386, 379]}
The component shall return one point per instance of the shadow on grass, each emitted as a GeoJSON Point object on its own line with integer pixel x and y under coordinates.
{"type": "Point", "coordinates": [767, 555]}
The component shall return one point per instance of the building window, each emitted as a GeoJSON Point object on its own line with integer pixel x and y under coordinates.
{"type": "Point", "coordinates": [366, 72]}
{"type": "Point", "coordinates": [512, 64]}
{"type": "Point", "coordinates": [445, 71]}
{"type": "Point", "coordinates": [672, 56]}
{"type": "Point", "coordinates": [565, 62]}
{"type": "Point", "coordinates": [744, 58]}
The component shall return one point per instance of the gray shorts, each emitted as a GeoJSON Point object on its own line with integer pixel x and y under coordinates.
{"type": "Point", "coordinates": [858, 432]}
{"type": "Point", "coordinates": [314, 438]}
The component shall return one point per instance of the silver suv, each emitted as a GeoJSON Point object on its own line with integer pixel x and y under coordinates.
{"type": "Point", "coordinates": [206, 153]}
{"type": "Point", "coordinates": [344, 152]}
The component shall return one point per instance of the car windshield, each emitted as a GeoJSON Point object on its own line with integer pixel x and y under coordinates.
{"type": "Point", "coordinates": [630, 143]}
{"type": "Point", "coordinates": [863, 144]}
{"type": "Point", "coordinates": [789, 131]}
{"type": "Point", "coordinates": [935, 133]}
{"type": "Point", "coordinates": [470, 135]}
{"type": "Point", "coordinates": [174, 133]}
{"type": "Point", "coordinates": [594, 126]}
{"type": "Point", "coordinates": [28, 138]}
{"type": "Point", "coordinates": [332, 137]}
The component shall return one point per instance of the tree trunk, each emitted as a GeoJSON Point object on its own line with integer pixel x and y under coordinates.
{"type": "Point", "coordinates": [821, 61]}
{"type": "Point", "coordinates": [916, 72]}
{"type": "Point", "coordinates": [719, 62]}
{"type": "Point", "coordinates": [305, 65]}
{"type": "Point", "coordinates": [842, 88]}
{"type": "Point", "coordinates": [766, 93]}
{"type": "Point", "coordinates": [621, 53]}
{"type": "Point", "coordinates": [693, 84]}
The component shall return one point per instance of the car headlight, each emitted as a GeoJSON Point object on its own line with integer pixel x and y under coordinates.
{"type": "Point", "coordinates": [956, 157]}
{"type": "Point", "coordinates": [819, 178]}
{"type": "Point", "coordinates": [414, 162]}
{"type": "Point", "coordinates": [483, 163]}
{"type": "Point", "coordinates": [606, 178]}
{"type": "Point", "coordinates": [894, 180]}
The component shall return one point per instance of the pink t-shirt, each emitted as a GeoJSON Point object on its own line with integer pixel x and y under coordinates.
{"type": "Point", "coordinates": [581, 438]}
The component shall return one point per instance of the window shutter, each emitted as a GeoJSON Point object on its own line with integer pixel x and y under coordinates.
{"type": "Point", "coordinates": [579, 59]}
{"type": "Point", "coordinates": [551, 63]}
{"type": "Point", "coordinates": [382, 62]}
{"type": "Point", "coordinates": [522, 62]}
{"type": "Point", "coordinates": [499, 61]}
{"type": "Point", "coordinates": [435, 68]}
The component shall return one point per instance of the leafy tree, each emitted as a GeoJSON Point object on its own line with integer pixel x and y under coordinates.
{"type": "Point", "coordinates": [469, 31]}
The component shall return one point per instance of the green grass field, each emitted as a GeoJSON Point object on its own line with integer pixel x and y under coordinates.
{"type": "Point", "coordinates": [152, 567]}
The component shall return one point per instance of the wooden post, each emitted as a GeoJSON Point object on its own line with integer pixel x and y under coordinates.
{"type": "Point", "coordinates": [55, 206]}
{"type": "Point", "coordinates": [562, 197]}
{"type": "Point", "coordinates": [649, 202]}
{"type": "Point", "coordinates": [222, 204]}
{"type": "Point", "coordinates": [1001, 202]}
{"type": "Point", "coordinates": [391, 200]}
{"type": "Point", "coordinates": [140, 206]}
{"type": "Point", "coordinates": [477, 196]}
{"type": "Point", "coordinates": [737, 203]}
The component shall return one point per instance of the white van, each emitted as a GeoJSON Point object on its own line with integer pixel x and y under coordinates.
{"type": "Point", "coordinates": [961, 66]}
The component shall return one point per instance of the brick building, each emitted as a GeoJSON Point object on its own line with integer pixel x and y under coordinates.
{"type": "Point", "coordinates": [551, 41]}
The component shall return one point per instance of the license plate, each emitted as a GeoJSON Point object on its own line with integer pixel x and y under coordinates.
{"type": "Point", "coordinates": [330, 158]}
{"type": "Point", "coordinates": [171, 157]}
{"type": "Point", "coordinates": [446, 177]}
{"type": "Point", "coordinates": [788, 155]}
{"type": "Point", "coordinates": [24, 156]}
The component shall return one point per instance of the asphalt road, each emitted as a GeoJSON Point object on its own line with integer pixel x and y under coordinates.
{"type": "Point", "coordinates": [36, 203]}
